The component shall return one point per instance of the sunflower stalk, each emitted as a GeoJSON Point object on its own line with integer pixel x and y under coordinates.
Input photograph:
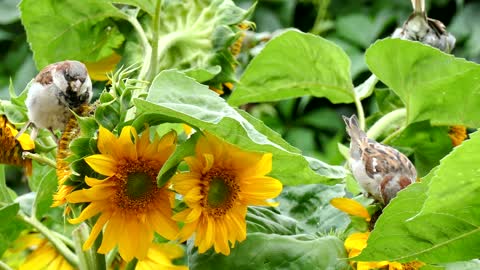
{"type": "Point", "coordinates": [56, 242]}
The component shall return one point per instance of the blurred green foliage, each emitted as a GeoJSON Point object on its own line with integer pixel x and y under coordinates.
{"type": "Point", "coordinates": [313, 125]}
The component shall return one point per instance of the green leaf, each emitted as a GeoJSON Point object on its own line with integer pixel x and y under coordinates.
{"type": "Point", "coordinates": [387, 100]}
{"type": "Point", "coordinates": [4, 190]}
{"type": "Point", "coordinates": [11, 227]}
{"type": "Point", "coordinates": [273, 251]}
{"type": "Point", "coordinates": [271, 221]}
{"type": "Point", "coordinates": [310, 205]}
{"type": "Point", "coordinates": [433, 85]}
{"type": "Point", "coordinates": [170, 167]}
{"type": "Point", "coordinates": [9, 12]}
{"type": "Point", "coordinates": [80, 30]}
{"type": "Point", "coordinates": [442, 223]}
{"type": "Point", "coordinates": [296, 64]}
{"type": "Point", "coordinates": [391, 237]}
{"type": "Point", "coordinates": [43, 198]}
{"type": "Point", "coordinates": [174, 95]}
{"type": "Point", "coordinates": [201, 74]}
{"type": "Point", "coordinates": [428, 145]}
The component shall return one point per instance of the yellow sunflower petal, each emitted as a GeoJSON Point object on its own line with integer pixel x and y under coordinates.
{"type": "Point", "coordinates": [97, 193]}
{"type": "Point", "coordinates": [102, 164]}
{"type": "Point", "coordinates": [126, 142]}
{"type": "Point", "coordinates": [97, 228]}
{"type": "Point", "coordinates": [113, 230]}
{"type": "Point", "coordinates": [356, 241]}
{"type": "Point", "coordinates": [107, 142]}
{"type": "Point", "coordinates": [24, 139]}
{"type": "Point", "coordinates": [90, 211]}
{"type": "Point", "coordinates": [351, 207]}
{"type": "Point", "coordinates": [98, 70]}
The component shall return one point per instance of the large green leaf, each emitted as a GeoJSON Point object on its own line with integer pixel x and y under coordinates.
{"type": "Point", "coordinates": [273, 251]}
{"type": "Point", "coordinates": [443, 220]}
{"type": "Point", "coordinates": [310, 205]}
{"type": "Point", "coordinates": [433, 85]}
{"type": "Point", "coordinates": [10, 227]}
{"type": "Point", "coordinates": [391, 237]}
{"type": "Point", "coordinates": [296, 64]}
{"type": "Point", "coordinates": [70, 29]}
{"type": "Point", "coordinates": [174, 95]}
{"type": "Point", "coordinates": [428, 145]}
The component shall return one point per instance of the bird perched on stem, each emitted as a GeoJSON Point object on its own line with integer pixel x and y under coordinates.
{"type": "Point", "coordinates": [419, 27]}
{"type": "Point", "coordinates": [381, 170]}
{"type": "Point", "coordinates": [57, 89]}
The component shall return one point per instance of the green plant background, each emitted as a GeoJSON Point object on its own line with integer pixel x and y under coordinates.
{"type": "Point", "coordinates": [308, 121]}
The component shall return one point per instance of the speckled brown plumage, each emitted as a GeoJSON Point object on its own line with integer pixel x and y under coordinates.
{"type": "Point", "coordinates": [380, 170]}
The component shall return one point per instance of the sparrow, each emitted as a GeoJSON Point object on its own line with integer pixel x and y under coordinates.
{"type": "Point", "coordinates": [57, 90]}
{"type": "Point", "coordinates": [381, 170]}
{"type": "Point", "coordinates": [419, 27]}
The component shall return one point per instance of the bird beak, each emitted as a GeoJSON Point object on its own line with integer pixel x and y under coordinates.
{"type": "Point", "coordinates": [76, 85]}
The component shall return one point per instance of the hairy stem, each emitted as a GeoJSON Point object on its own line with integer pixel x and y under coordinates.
{"type": "Point", "coordinates": [56, 242]}
{"type": "Point", "coordinates": [154, 56]}
{"type": "Point", "coordinates": [40, 159]}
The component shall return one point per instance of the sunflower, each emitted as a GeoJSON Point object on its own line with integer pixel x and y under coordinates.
{"type": "Point", "coordinates": [14, 147]}
{"type": "Point", "coordinates": [223, 180]}
{"type": "Point", "coordinates": [131, 205]}
{"type": "Point", "coordinates": [160, 256]}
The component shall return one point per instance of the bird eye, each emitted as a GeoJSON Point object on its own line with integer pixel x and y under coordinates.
{"type": "Point", "coordinates": [68, 77]}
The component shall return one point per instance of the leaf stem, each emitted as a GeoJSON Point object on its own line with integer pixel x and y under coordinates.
{"type": "Point", "coordinates": [40, 159]}
{"type": "Point", "coordinates": [56, 242]}
{"type": "Point", "coordinates": [385, 122]}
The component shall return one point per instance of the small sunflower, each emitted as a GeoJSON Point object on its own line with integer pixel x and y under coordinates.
{"type": "Point", "coordinates": [457, 134]}
{"type": "Point", "coordinates": [223, 180]}
{"type": "Point", "coordinates": [131, 205]}
{"type": "Point", "coordinates": [160, 256]}
{"type": "Point", "coordinates": [12, 148]}
{"type": "Point", "coordinates": [356, 242]}
{"type": "Point", "coordinates": [43, 255]}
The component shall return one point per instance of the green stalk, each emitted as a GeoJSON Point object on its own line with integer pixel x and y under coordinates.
{"type": "Point", "coordinates": [360, 112]}
{"type": "Point", "coordinates": [154, 56]}
{"type": "Point", "coordinates": [146, 47]}
{"type": "Point", "coordinates": [385, 122]}
{"type": "Point", "coordinates": [56, 242]}
{"type": "Point", "coordinates": [89, 259]}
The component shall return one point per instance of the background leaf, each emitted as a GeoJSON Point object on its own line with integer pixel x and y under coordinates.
{"type": "Point", "coordinates": [79, 30]}
{"type": "Point", "coordinates": [273, 251]}
{"type": "Point", "coordinates": [174, 95]}
{"type": "Point", "coordinates": [433, 85]}
{"type": "Point", "coordinates": [296, 64]}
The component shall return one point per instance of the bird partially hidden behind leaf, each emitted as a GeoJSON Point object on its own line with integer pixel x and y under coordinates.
{"type": "Point", "coordinates": [57, 89]}
{"type": "Point", "coordinates": [419, 27]}
{"type": "Point", "coordinates": [381, 170]}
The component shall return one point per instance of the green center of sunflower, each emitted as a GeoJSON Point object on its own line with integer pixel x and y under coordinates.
{"type": "Point", "coordinates": [138, 185]}
{"type": "Point", "coordinates": [218, 193]}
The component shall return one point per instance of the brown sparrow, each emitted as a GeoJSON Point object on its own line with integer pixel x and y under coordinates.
{"type": "Point", "coordinates": [381, 170]}
{"type": "Point", "coordinates": [419, 27]}
{"type": "Point", "coordinates": [57, 89]}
